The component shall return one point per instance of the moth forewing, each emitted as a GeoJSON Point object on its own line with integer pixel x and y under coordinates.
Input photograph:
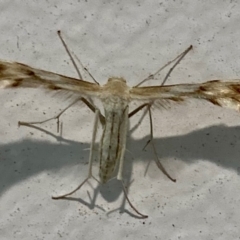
{"type": "Point", "coordinates": [18, 75]}
{"type": "Point", "coordinates": [221, 93]}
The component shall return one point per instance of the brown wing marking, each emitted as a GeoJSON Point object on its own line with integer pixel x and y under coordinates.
{"type": "Point", "coordinates": [15, 74]}
{"type": "Point", "coordinates": [222, 93]}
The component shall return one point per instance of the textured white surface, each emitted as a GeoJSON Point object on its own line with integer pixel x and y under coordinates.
{"type": "Point", "coordinates": [199, 144]}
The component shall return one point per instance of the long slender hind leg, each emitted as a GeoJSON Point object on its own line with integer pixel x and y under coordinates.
{"type": "Point", "coordinates": [160, 166]}
{"type": "Point", "coordinates": [90, 159]}
{"type": "Point", "coordinates": [151, 140]}
{"type": "Point", "coordinates": [129, 202]}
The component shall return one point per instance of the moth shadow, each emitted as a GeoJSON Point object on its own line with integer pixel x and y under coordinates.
{"type": "Point", "coordinates": [23, 159]}
{"type": "Point", "coordinates": [219, 144]}
{"type": "Point", "coordinates": [19, 161]}
{"type": "Point", "coordinates": [109, 191]}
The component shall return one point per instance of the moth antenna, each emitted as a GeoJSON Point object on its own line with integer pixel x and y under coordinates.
{"type": "Point", "coordinates": [179, 57]}
{"type": "Point", "coordinates": [85, 69]}
{"type": "Point", "coordinates": [69, 54]}
{"type": "Point", "coordinates": [176, 63]}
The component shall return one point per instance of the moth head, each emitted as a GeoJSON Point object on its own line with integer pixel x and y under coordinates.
{"type": "Point", "coordinates": [116, 87]}
{"type": "Point", "coordinates": [115, 82]}
{"type": "Point", "coordinates": [116, 79]}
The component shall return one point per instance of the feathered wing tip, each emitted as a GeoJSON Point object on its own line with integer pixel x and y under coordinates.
{"type": "Point", "coordinates": [220, 93]}
{"type": "Point", "coordinates": [223, 94]}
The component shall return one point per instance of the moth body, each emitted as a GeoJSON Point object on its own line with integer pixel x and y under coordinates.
{"type": "Point", "coordinates": [114, 135]}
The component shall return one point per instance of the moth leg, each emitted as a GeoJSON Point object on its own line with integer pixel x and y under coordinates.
{"type": "Point", "coordinates": [160, 166]}
{"type": "Point", "coordinates": [129, 202]}
{"type": "Point", "coordinates": [90, 159]}
{"type": "Point", "coordinates": [90, 105]}
{"type": "Point", "coordinates": [137, 109]}
{"type": "Point", "coordinates": [20, 123]}
{"type": "Point", "coordinates": [122, 143]}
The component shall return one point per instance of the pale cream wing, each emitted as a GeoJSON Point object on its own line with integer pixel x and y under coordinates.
{"type": "Point", "coordinates": [222, 93]}
{"type": "Point", "coordinates": [16, 75]}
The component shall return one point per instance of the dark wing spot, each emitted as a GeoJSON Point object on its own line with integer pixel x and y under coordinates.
{"type": "Point", "coordinates": [25, 69]}
{"type": "Point", "coordinates": [176, 99]}
{"type": "Point", "coordinates": [17, 82]}
{"type": "Point", "coordinates": [54, 87]}
{"type": "Point", "coordinates": [214, 101]}
{"type": "Point", "coordinates": [2, 67]}
{"type": "Point", "coordinates": [235, 98]}
{"type": "Point", "coordinates": [236, 88]}
{"type": "Point", "coordinates": [30, 73]}
{"type": "Point", "coordinates": [213, 81]}
{"type": "Point", "coordinates": [202, 88]}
